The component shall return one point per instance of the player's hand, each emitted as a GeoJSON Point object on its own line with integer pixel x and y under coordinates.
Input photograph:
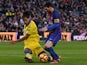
{"type": "Point", "coordinates": [43, 29]}
{"type": "Point", "coordinates": [13, 42]}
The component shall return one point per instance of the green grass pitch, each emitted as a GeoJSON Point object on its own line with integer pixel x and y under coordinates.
{"type": "Point", "coordinates": [72, 53]}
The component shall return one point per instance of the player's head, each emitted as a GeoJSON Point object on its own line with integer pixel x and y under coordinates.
{"type": "Point", "coordinates": [27, 16]}
{"type": "Point", "coordinates": [48, 7]}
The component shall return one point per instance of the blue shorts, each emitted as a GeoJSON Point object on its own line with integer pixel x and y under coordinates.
{"type": "Point", "coordinates": [54, 37]}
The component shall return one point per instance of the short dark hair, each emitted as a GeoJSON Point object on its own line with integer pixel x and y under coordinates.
{"type": "Point", "coordinates": [27, 14]}
{"type": "Point", "coordinates": [48, 4]}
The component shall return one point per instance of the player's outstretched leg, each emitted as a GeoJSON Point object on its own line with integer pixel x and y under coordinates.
{"type": "Point", "coordinates": [56, 58]}
{"type": "Point", "coordinates": [28, 55]}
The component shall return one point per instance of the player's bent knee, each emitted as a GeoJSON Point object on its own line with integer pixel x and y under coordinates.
{"type": "Point", "coordinates": [28, 51]}
{"type": "Point", "coordinates": [48, 44]}
{"type": "Point", "coordinates": [28, 55]}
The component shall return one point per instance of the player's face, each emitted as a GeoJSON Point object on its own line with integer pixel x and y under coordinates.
{"type": "Point", "coordinates": [47, 9]}
{"type": "Point", "coordinates": [26, 20]}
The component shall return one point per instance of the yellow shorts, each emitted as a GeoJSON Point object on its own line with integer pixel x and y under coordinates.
{"type": "Point", "coordinates": [35, 47]}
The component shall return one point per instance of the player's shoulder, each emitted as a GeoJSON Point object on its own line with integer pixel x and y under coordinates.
{"type": "Point", "coordinates": [56, 11]}
{"type": "Point", "coordinates": [56, 14]}
{"type": "Point", "coordinates": [32, 23]}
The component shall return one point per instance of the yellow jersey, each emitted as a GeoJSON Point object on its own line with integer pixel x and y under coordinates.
{"type": "Point", "coordinates": [33, 40]}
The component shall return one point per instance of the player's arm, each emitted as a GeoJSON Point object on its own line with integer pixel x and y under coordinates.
{"type": "Point", "coordinates": [51, 27]}
{"type": "Point", "coordinates": [55, 25]}
{"type": "Point", "coordinates": [21, 39]}
{"type": "Point", "coordinates": [56, 21]}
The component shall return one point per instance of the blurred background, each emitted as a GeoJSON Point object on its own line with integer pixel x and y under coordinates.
{"type": "Point", "coordinates": [73, 17]}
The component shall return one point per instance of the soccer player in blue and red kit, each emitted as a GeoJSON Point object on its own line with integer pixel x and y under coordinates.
{"type": "Point", "coordinates": [54, 31]}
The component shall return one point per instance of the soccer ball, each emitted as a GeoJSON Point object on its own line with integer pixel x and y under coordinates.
{"type": "Point", "coordinates": [43, 57]}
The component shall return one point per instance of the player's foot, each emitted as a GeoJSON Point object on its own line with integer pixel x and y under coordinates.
{"type": "Point", "coordinates": [59, 59]}
{"type": "Point", "coordinates": [54, 61]}
{"type": "Point", "coordinates": [28, 60]}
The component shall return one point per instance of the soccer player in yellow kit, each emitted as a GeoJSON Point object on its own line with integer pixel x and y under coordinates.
{"type": "Point", "coordinates": [31, 38]}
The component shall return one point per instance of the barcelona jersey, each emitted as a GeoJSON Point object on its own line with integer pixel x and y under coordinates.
{"type": "Point", "coordinates": [54, 29]}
